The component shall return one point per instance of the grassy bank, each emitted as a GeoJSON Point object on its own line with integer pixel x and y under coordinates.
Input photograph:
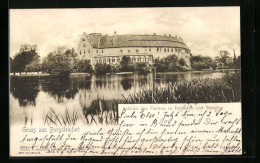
{"type": "Point", "coordinates": [225, 89]}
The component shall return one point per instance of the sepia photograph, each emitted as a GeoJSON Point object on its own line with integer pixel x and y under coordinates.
{"type": "Point", "coordinates": [74, 67]}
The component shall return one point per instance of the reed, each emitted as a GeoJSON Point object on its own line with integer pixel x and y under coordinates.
{"type": "Point", "coordinates": [202, 90]}
{"type": "Point", "coordinates": [66, 119]}
{"type": "Point", "coordinates": [207, 90]}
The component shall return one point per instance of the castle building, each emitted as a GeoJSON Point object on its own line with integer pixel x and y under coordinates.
{"type": "Point", "coordinates": [140, 48]}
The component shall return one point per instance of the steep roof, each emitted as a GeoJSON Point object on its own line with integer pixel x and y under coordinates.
{"type": "Point", "coordinates": [116, 41]}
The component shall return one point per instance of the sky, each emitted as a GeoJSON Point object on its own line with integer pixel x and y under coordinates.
{"type": "Point", "coordinates": [206, 30]}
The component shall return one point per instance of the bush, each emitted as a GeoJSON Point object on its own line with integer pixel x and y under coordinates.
{"type": "Point", "coordinates": [57, 64]}
{"type": "Point", "coordinates": [141, 68]}
{"type": "Point", "coordinates": [102, 68]}
{"type": "Point", "coordinates": [167, 64]}
{"type": "Point", "coordinates": [82, 66]}
{"type": "Point", "coordinates": [182, 62]}
{"type": "Point", "coordinates": [201, 62]}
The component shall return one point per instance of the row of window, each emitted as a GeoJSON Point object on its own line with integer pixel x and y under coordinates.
{"type": "Point", "coordinates": [117, 59]}
{"type": "Point", "coordinates": [137, 51]}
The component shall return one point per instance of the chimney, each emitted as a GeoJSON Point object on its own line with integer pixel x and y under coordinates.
{"type": "Point", "coordinates": [170, 35]}
{"type": "Point", "coordinates": [154, 33]}
{"type": "Point", "coordinates": [115, 33]}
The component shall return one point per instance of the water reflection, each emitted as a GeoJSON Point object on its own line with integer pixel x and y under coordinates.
{"type": "Point", "coordinates": [127, 83]}
{"type": "Point", "coordinates": [91, 95]}
{"type": "Point", "coordinates": [25, 89]}
{"type": "Point", "coordinates": [59, 88]}
{"type": "Point", "coordinates": [107, 87]}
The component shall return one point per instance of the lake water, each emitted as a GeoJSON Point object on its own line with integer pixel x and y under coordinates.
{"type": "Point", "coordinates": [32, 97]}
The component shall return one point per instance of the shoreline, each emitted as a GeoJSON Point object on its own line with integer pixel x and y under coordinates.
{"type": "Point", "coordinates": [120, 73]}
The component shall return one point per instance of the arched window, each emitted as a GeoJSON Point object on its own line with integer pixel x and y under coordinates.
{"type": "Point", "coordinates": [129, 51]}
{"type": "Point", "coordinates": [102, 51]}
{"type": "Point", "coordinates": [164, 49]}
{"type": "Point", "coordinates": [168, 50]}
{"type": "Point", "coordinates": [172, 49]}
{"type": "Point", "coordinates": [121, 51]}
{"type": "Point", "coordinates": [137, 51]}
{"type": "Point", "coordinates": [80, 52]}
{"type": "Point", "coordinates": [84, 51]}
{"type": "Point", "coordinates": [157, 48]}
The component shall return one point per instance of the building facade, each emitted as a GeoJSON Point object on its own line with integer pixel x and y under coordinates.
{"type": "Point", "coordinates": [140, 48]}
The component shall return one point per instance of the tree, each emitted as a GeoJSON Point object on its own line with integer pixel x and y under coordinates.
{"type": "Point", "coordinates": [141, 68]}
{"type": "Point", "coordinates": [224, 59]}
{"type": "Point", "coordinates": [182, 62]}
{"type": "Point", "coordinates": [11, 61]}
{"type": "Point", "coordinates": [125, 64]}
{"type": "Point", "coordinates": [200, 62]}
{"type": "Point", "coordinates": [237, 62]}
{"type": "Point", "coordinates": [34, 66]}
{"type": "Point", "coordinates": [26, 56]}
{"type": "Point", "coordinates": [57, 63]}
{"type": "Point", "coordinates": [167, 64]}
{"type": "Point", "coordinates": [82, 66]}
{"type": "Point", "coordinates": [102, 68]}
